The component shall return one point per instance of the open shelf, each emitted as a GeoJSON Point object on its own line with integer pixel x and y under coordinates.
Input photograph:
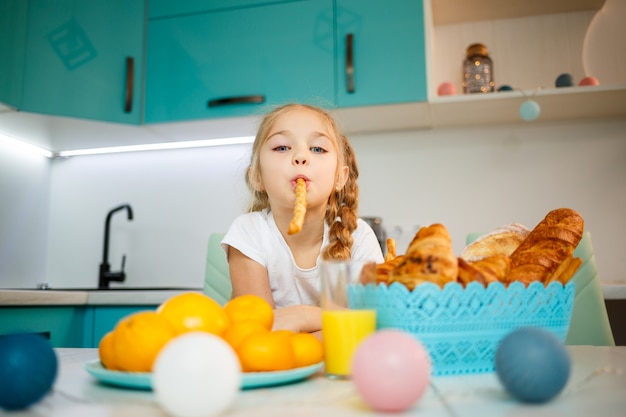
{"type": "Point", "coordinates": [447, 12]}
{"type": "Point", "coordinates": [487, 109]}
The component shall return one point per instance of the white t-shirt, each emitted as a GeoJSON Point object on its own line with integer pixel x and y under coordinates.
{"type": "Point", "coordinates": [257, 236]}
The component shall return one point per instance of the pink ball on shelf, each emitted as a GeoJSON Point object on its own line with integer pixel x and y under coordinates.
{"type": "Point", "coordinates": [589, 81]}
{"type": "Point", "coordinates": [391, 370]}
{"type": "Point", "coordinates": [446, 89]}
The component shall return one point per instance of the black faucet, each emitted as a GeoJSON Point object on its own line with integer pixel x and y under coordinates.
{"type": "Point", "coordinates": [106, 276]}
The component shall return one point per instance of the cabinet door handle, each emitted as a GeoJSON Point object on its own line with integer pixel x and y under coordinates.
{"type": "Point", "coordinates": [350, 63]}
{"type": "Point", "coordinates": [227, 101]}
{"type": "Point", "coordinates": [130, 74]}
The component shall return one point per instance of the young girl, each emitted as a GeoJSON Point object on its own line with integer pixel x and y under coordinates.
{"type": "Point", "coordinates": [297, 141]}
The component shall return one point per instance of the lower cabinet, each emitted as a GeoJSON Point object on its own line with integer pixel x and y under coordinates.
{"type": "Point", "coordinates": [66, 326]}
{"type": "Point", "coordinates": [63, 326]}
{"type": "Point", "coordinates": [99, 320]}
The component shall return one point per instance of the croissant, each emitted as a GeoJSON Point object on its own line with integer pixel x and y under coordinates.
{"type": "Point", "coordinates": [467, 273]}
{"type": "Point", "coordinates": [487, 270]}
{"type": "Point", "coordinates": [494, 268]}
{"type": "Point", "coordinates": [429, 258]}
{"type": "Point", "coordinates": [547, 247]}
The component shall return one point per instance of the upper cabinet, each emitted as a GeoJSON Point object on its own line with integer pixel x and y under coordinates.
{"type": "Point", "coordinates": [169, 8]}
{"type": "Point", "coordinates": [208, 61]}
{"type": "Point", "coordinates": [84, 59]}
{"type": "Point", "coordinates": [380, 52]}
{"type": "Point", "coordinates": [13, 15]}
{"type": "Point", "coordinates": [231, 62]}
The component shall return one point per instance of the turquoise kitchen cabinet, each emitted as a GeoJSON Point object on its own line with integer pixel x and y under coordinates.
{"type": "Point", "coordinates": [168, 8]}
{"type": "Point", "coordinates": [13, 15]}
{"type": "Point", "coordinates": [235, 62]}
{"type": "Point", "coordinates": [380, 52]}
{"type": "Point", "coordinates": [62, 325]}
{"type": "Point", "coordinates": [84, 59]}
{"type": "Point", "coordinates": [99, 320]}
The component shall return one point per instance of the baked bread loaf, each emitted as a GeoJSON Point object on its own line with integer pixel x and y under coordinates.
{"type": "Point", "coordinates": [429, 258]}
{"type": "Point", "coordinates": [391, 249]}
{"type": "Point", "coordinates": [544, 254]}
{"type": "Point", "coordinates": [501, 241]}
{"type": "Point", "coordinates": [299, 209]}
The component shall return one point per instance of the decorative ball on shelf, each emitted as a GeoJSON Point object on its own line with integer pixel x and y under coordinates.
{"type": "Point", "coordinates": [529, 110]}
{"type": "Point", "coordinates": [564, 80]}
{"type": "Point", "coordinates": [589, 81]}
{"type": "Point", "coordinates": [28, 369]}
{"type": "Point", "coordinates": [391, 370]}
{"type": "Point", "coordinates": [532, 364]}
{"type": "Point", "coordinates": [446, 89]}
{"type": "Point", "coordinates": [196, 374]}
{"type": "Point", "coordinates": [505, 87]}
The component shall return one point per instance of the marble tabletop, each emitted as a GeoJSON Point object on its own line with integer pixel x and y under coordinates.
{"type": "Point", "coordinates": [597, 386]}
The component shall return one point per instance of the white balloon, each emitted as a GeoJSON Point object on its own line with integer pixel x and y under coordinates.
{"type": "Point", "coordinates": [197, 374]}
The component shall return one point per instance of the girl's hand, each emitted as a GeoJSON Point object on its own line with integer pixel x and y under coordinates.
{"type": "Point", "coordinates": [298, 318]}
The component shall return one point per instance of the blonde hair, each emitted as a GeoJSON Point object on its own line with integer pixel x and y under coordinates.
{"type": "Point", "coordinates": [342, 203]}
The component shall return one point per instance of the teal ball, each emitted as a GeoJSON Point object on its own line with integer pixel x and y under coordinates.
{"type": "Point", "coordinates": [532, 364]}
{"type": "Point", "coordinates": [529, 110]}
{"type": "Point", "coordinates": [564, 80]}
{"type": "Point", "coordinates": [28, 369]}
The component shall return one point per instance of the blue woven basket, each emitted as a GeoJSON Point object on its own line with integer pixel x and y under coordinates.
{"type": "Point", "coordinates": [462, 327]}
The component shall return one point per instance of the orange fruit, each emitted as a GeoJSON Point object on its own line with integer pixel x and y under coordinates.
{"type": "Point", "coordinates": [192, 311]}
{"type": "Point", "coordinates": [250, 307]}
{"type": "Point", "coordinates": [106, 352]}
{"type": "Point", "coordinates": [238, 331]}
{"type": "Point", "coordinates": [138, 340]}
{"type": "Point", "coordinates": [307, 348]}
{"type": "Point", "coordinates": [266, 351]}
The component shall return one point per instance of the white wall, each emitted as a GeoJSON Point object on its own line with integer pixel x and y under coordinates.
{"type": "Point", "coordinates": [178, 199]}
{"type": "Point", "coordinates": [24, 203]}
{"type": "Point", "coordinates": [468, 179]}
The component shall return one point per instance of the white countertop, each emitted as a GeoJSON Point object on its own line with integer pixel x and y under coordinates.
{"type": "Point", "coordinates": [88, 297]}
{"type": "Point", "coordinates": [615, 290]}
{"type": "Point", "coordinates": [596, 387]}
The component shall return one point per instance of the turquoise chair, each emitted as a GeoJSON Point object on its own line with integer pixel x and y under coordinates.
{"type": "Point", "coordinates": [217, 283]}
{"type": "Point", "coordinates": [589, 324]}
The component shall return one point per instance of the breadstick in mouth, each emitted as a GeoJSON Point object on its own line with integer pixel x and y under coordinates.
{"type": "Point", "coordinates": [299, 209]}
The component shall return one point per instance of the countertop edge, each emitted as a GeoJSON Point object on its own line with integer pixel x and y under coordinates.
{"type": "Point", "coordinates": [15, 298]}
{"type": "Point", "coordinates": [614, 290]}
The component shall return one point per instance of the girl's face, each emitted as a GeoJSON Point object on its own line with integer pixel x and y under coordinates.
{"type": "Point", "coordinates": [299, 145]}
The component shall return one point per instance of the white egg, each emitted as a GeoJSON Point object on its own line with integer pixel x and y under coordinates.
{"type": "Point", "coordinates": [196, 375]}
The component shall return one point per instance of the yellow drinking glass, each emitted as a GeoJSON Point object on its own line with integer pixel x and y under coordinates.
{"type": "Point", "coordinates": [343, 328]}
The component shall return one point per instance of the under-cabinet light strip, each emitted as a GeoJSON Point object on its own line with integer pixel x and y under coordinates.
{"type": "Point", "coordinates": [26, 147]}
{"type": "Point", "coordinates": [159, 146]}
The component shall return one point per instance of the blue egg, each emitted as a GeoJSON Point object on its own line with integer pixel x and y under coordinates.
{"type": "Point", "coordinates": [532, 364]}
{"type": "Point", "coordinates": [529, 110]}
{"type": "Point", "coordinates": [28, 368]}
{"type": "Point", "coordinates": [505, 88]}
{"type": "Point", "coordinates": [564, 80]}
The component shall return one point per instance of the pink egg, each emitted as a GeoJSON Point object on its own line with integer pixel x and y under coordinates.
{"type": "Point", "coordinates": [391, 370]}
{"type": "Point", "coordinates": [446, 89]}
{"type": "Point", "coordinates": [589, 81]}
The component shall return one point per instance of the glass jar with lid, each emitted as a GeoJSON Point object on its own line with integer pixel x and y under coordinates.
{"type": "Point", "coordinates": [477, 70]}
